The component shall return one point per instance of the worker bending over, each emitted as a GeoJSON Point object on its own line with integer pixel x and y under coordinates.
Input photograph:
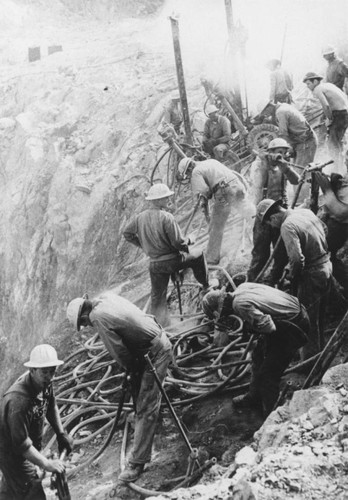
{"type": "Point", "coordinates": [281, 324]}
{"type": "Point", "coordinates": [158, 234]}
{"type": "Point", "coordinates": [212, 179]}
{"type": "Point", "coordinates": [23, 410]}
{"type": "Point", "coordinates": [128, 334]}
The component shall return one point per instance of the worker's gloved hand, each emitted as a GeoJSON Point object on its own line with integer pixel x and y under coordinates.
{"type": "Point", "coordinates": [191, 240]}
{"type": "Point", "coordinates": [328, 122]}
{"type": "Point", "coordinates": [65, 442]}
{"type": "Point", "coordinates": [203, 202]}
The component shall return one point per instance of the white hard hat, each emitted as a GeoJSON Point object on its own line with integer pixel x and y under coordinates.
{"type": "Point", "coordinates": [183, 166]}
{"type": "Point", "coordinates": [328, 49]}
{"type": "Point", "coordinates": [158, 191]}
{"type": "Point", "coordinates": [211, 109]}
{"type": "Point", "coordinates": [43, 356]}
{"type": "Point", "coordinates": [278, 143]}
{"type": "Point", "coordinates": [73, 312]}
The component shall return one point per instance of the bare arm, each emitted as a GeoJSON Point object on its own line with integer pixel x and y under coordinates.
{"type": "Point", "coordinates": [324, 102]}
{"type": "Point", "coordinates": [37, 458]}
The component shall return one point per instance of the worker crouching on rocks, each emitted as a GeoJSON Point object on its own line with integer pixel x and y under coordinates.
{"type": "Point", "coordinates": [158, 234]}
{"type": "Point", "coordinates": [23, 410]}
{"type": "Point", "coordinates": [128, 334]}
{"type": "Point", "coordinates": [210, 178]}
{"type": "Point", "coordinates": [281, 324]}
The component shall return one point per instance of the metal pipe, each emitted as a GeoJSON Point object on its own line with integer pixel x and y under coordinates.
{"type": "Point", "coordinates": [232, 44]}
{"type": "Point", "coordinates": [181, 79]}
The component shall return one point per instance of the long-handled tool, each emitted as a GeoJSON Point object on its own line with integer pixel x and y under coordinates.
{"type": "Point", "coordinates": [59, 482]}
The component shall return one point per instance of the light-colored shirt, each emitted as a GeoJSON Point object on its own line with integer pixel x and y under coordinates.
{"type": "Point", "coordinates": [293, 126]}
{"type": "Point", "coordinates": [304, 239]}
{"type": "Point", "coordinates": [157, 233]}
{"type": "Point", "coordinates": [220, 130]}
{"type": "Point", "coordinates": [208, 173]}
{"type": "Point", "coordinates": [281, 83]}
{"type": "Point", "coordinates": [260, 304]}
{"type": "Point", "coordinates": [330, 95]}
{"type": "Point", "coordinates": [126, 331]}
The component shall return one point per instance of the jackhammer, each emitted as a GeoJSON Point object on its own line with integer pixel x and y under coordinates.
{"type": "Point", "coordinates": [59, 482]}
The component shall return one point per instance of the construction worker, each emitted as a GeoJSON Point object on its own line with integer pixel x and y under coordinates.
{"type": "Point", "coordinates": [337, 70]}
{"type": "Point", "coordinates": [23, 410]}
{"type": "Point", "coordinates": [128, 334]}
{"type": "Point", "coordinates": [210, 178]}
{"type": "Point", "coordinates": [158, 234]}
{"type": "Point", "coordinates": [309, 263]}
{"type": "Point", "coordinates": [280, 322]}
{"type": "Point", "coordinates": [217, 134]}
{"type": "Point", "coordinates": [172, 113]}
{"type": "Point", "coordinates": [294, 128]}
{"type": "Point", "coordinates": [335, 106]}
{"type": "Point", "coordinates": [281, 82]}
{"type": "Point", "coordinates": [270, 174]}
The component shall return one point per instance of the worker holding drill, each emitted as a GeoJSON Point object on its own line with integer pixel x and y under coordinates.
{"type": "Point", "coordinates": [23, 410]}
{"type": "Point", "coordinates": [128, 334]}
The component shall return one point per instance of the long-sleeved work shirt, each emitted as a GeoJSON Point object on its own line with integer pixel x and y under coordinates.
{"type": "Point", "coordinates": [260, 304]}
{"type": "Point", "coordinates": [304, 239]}
{"type": "Point", "coordinates": [157, 233]}
{"type": "Point", "coordinates": [220, 130]}
{"type": "Point", "coordinates": [208, 174]}
{"type": "Point", "coordinates": [22, 415]}
{"type": "Point", "coordinates": [336, 72]}
{"type": "Point", "coordinates": [330, 97]}
{"type": "Point", "coordinates": [293, 126]}
{"type": "Point", "coordinates": [270, 182]}
{"type": "Point", "coordinates": [281, 83]}
{"type": "Point", "coordinates": [126, 331]}
{"type": "Point", "coordinates": [173, 115]}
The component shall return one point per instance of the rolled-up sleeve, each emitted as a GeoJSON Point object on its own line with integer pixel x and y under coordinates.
{"type": "Point", "coordinates": [17, 416]}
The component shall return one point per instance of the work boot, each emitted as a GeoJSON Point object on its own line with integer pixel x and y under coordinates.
{"type": "Point", "coordinates": [131, 473]}
{"type": "Point", "coordinates": [247, 401]}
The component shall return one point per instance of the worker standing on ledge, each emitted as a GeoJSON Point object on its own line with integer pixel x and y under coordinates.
{"type": "Point", "coordinates": [337, 70]}
{"type": "Point", "coordinates": [281, 82]}
{"type": "Point", "coordinates": [210, 178]}
{"type": "Point", "coordinates": [281, 324]}
{"type": "Point", "coordinates": [158, 234]}
{"type": "Point", "coordinates": [23, 410]}
{"type": "Point", "coordinates": [128, 334]}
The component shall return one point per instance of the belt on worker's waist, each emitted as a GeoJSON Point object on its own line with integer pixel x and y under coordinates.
{"type": "Point", "coordinates": [317, 262]}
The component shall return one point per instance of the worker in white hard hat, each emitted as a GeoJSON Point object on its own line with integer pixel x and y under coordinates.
{"type": "Point", "coordinates": [128, 334]}
{"type": "Point", "coordinates": [335, 106]}
{"type": "Point", "coordinates": [212, 179]}
{"type": "Point", "coordinates": [158, 234]}
{"type": "Point", "coordinates": [23, 410]}
{"type": "Point", "coordinates": [337, 70]}
{"type": "Point", "coordinates": [217, 133]}
{"type": "Point", "coordinates": [295, 129]}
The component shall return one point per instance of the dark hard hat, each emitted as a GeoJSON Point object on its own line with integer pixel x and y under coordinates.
{"type": "Point", "coordinates": [266, 207]}
{"type": "Point", "coordinates": [211, 302]}
{"type": "Point", "coordinates": [311, 75]}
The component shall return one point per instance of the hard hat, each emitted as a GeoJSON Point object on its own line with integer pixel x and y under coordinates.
{"type": "Point", "coordinates": [328, 49]}
{"type": "Point", "coordinates": [43, 356]}
{"type": "Point", "coordinates": [158, 191]}
{"type": "Point", "coordinates": [211, 108]}
{"type": "Point", "coordinates": [311, 75]}
{"type": "Point", "coordinates": [183, 166]}
{"type": "Point", "coordinates": [278, 143]}
{"type": "Point", "coordinates": [73, 312]}
{"type": "Point", "coordinates": [212, 302]}
{"type": "Point", "coordinates": [265, 207]}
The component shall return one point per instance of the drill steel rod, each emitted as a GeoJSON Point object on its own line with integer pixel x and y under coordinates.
{"type": "Point", "coordinates": [181, 79]}
{"type": "Point", "coordinates": [232, 44]}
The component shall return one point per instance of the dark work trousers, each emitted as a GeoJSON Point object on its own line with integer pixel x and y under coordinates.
{"type": "Point", "coordinates": [313, 291]}
{"type": "Point", "coordinates": [336, 133]}
{"type": "Point", "coordinates": [272, 355]}
{"type": "Point", "coordinates": [148, 403]}
{"type": "Point", "coordinates": [265, 236]}
{"type": "Point", "coordinates": [160, 272]}
{"type": "Point", "coordinates": [19, 481]}
{"type": "Point", "coordinates": [336, 238]}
